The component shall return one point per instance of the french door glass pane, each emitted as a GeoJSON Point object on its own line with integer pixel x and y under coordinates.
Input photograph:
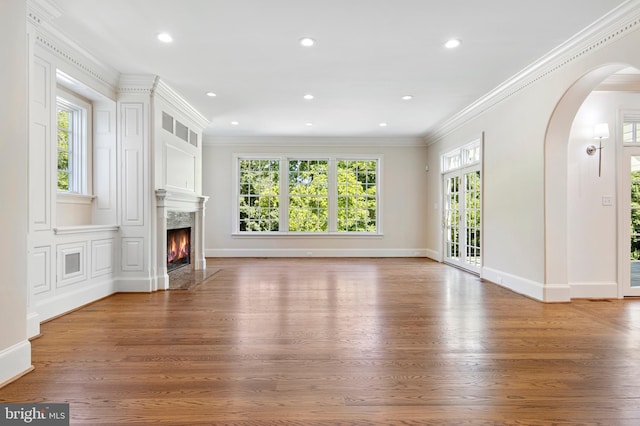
{"type": "Point", "coordinates": [635, 222]}
{"type": "Point", "coordinates": [452, 218]}
{"type": "Point", "coordinates": [472, 217]}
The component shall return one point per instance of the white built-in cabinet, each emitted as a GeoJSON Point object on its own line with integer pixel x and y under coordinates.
{"type": "Point", "coordinates": [85, 248]}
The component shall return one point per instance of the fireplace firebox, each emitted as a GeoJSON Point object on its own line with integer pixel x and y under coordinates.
{"type": "Point", "coordinates": [178, 248]}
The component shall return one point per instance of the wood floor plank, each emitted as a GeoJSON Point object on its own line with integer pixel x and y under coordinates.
{"type": "Point", "coordinates": [339, 342]}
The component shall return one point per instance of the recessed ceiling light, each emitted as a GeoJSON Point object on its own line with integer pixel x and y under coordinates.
{"type": "Point", "coordinates": [307, 42]}
{"type": "Point", "coordinates": [452, 44]}
{"type": "Point", "coordinates": [211, 94]}
{"type": "Point", "coordinates": [383, 124]}
{"type": "Point", "coordinates": [308, 97]}
{"type": "Point", "coordinates": [407, 97]}
{"type": "Point", "coordinates": [165, 37]}
{"type": "Point", "coordinates": [234, 123]}
{"type": "Point", "coordinates": [308, 124]}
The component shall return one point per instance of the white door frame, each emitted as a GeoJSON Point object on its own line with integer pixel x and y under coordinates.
{"type": "Point", "coordinates": [460, 169]}
{"type": "Point", "coordinates": [624, 223]}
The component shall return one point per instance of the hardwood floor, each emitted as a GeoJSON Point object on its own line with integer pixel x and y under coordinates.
{"type": "Point", "coordinates": [339, 341]}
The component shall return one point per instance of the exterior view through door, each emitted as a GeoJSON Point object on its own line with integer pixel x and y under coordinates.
{"type": "Point", "coordinates": [462, 194]}
{"type": "Point", "coordinates": [629, 219]}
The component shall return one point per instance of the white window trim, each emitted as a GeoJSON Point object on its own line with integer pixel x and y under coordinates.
{"type": "Point", "coordinates": [629, 116]}
{"type": "Point", "coordinates": [284, 189]}
{"type": "Point", "coordinates": [460, 153]}
{"type": "Point", "coordinates": [81, 183]}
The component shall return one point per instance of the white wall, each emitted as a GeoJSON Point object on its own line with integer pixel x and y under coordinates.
{"type": "Point", "coordinates": [15, 350]}
{"type": "Point", "coordinates": [403, 199]}
{"type": "Point", "coordinates": [526, 168]}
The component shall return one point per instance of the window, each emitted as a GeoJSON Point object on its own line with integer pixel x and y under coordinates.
{"type": "Point", "coordinates": [631, 127]}
{"type": "Point", "coordinates": [461, 157]}
{"type": "Point", "coordinates": [308, 195]}
{"type": "Point", "coordinates": [72, 144]}
{"type": "Point", "coordinates": [259, 192]}
{"type": "Point", "coordinates": [357, 196]}
{"type": "Point", "coordinates": [320, 195]}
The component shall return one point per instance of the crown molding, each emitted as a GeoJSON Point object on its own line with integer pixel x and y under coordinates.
{"type": "Point", "coordinates": [41, 14]}
{"type": "Point", "coordinates": [609, 28]}
{"type": "Point", "coordinates": [42, 10]}
{"type": "Point", "coordinates": [141, 84]}
{"type": "Point", "coordinates": [620, 83]}
{"type": "Point", "coordinates": [164, 91]}
{"type": "Point", "coordinates": [313, 141]}
{"type": "Point", "coordinates": [152, 85]}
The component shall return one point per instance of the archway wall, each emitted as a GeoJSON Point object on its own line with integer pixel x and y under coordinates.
{"type": "Point", "coordinates": [525, 170]}
{"type": "Point", "coordinates": [592, 227]}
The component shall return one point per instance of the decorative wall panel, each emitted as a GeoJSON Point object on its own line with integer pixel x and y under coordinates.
{"type": "Point", "coordinates": [133, 164]}
{"type": "Point", "coordinates": [181, 169]}
{"type": "Point", "coordinates": [40, 270]}
{"type": "Point", "coordinates": [132, 254]}
{"type": "Point", "coordinates": [102, 257]}
{"type": "Point", "coordinates": [102, 171]}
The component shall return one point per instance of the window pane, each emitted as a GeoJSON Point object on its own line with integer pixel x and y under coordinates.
{"type": "Point", "coordinates": [357, 196]}
{"type": "Point", "coordinates": [308, 195]}
{"type": "Point", "coordinates": [259, 189]}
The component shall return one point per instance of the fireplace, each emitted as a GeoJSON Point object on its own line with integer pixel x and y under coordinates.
{"type": "Point", "coordinates": [178, 248]}
{"type": "Point", "coordinates": [178, 210]}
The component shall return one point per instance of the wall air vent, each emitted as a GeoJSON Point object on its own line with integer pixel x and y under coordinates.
{"type": "Point", "coordinates": [178, 129]}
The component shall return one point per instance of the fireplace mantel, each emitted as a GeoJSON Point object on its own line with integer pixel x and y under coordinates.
{"type": "Point", "coordinates": [167, 201]}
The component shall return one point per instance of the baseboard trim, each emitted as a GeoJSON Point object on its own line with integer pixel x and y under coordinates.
{"type": "Point", "coordinates": [549, 293]}
{"type": "Point", "coordinates": [70, 300]}
{"type": "Point", "coordinates": [15, 362]}
{"type": "Point", "coordinates": [312, 252]}
{"type": "Point", "coordinates": [135, 285]}
{"type": "Point", "coordinates": [434, 255]}
{"type": "Point", "coordinates": [601, 290]}
{"type": "Point", "coordinates": [33, 325]}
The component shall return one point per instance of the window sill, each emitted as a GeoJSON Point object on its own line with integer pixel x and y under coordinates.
{"type": "Point", "coordinates": [350, 235]}
{"type": "Point", "coordinates": [73, 198]}
{"type": "Point", "coordinates": [83, 229]}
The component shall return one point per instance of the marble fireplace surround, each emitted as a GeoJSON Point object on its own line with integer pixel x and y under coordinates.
{"type": "Point", "coordinates": [184, 203]}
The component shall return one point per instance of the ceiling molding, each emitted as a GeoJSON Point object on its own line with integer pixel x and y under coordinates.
{"type": "Point", "coordinates": [40, 13]}
{"type": "Point", "coordinates": [313, 141]}
{"type": "Point", "coordinates": [620, 83]}
{"type": "Point", "coordinates": [611, 27]}
{"type": "Point", "coordinates": [137, 83]}
{"type": "Point", "coordinates": [163, 90]}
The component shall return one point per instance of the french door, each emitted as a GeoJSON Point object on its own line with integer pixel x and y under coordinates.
{"type": "Point", "coordinates": [630, 230]}
{"type": "Point", "coordinates": [462, 218]}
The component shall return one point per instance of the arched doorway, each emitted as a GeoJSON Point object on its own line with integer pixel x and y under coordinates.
{"type": "Point", "coordinates": [558, 209]}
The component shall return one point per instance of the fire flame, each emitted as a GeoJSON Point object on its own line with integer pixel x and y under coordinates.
{"type": "Point", "coordinates": [178, 247]}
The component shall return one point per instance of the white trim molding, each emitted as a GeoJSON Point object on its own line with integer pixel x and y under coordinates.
{"type": "Point", "coordinates": [15, 361]}
{"type": "Point", "coordinates": [164, 91]}
{"type": "Point", "coordinates": [314, 141]}
{"type": "Point", "coordinates": [612, 26]}
{"type": "Point", "coordinates": [599, 290]}
{"type": "Point", "coordinates": [40, 13]}
{"type": "Point", "coordinates": [314, 252]}
{"type": "Point", "coordinates": [549, 293]}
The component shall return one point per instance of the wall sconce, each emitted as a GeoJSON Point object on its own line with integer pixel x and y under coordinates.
{"type": "Point", "coordinates": [600, 131]}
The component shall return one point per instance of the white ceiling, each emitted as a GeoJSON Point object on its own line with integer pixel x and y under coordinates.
{"type": "Point", "coordinates": [369, 53]}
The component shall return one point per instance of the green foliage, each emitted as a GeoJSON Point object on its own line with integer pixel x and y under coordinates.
{"type": "Point", "coordinates": [635, 215]}
{"type": "Point", "coordinates": [472, 218]}
{"type": "Point", "coordinates": [357, 198]}
{"type": "Point", "coordinates": [64, 151]}
{"type": "Point", "coordinates": [259, 195]}
{"type": "Point", "coordinates": [308, 195]}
